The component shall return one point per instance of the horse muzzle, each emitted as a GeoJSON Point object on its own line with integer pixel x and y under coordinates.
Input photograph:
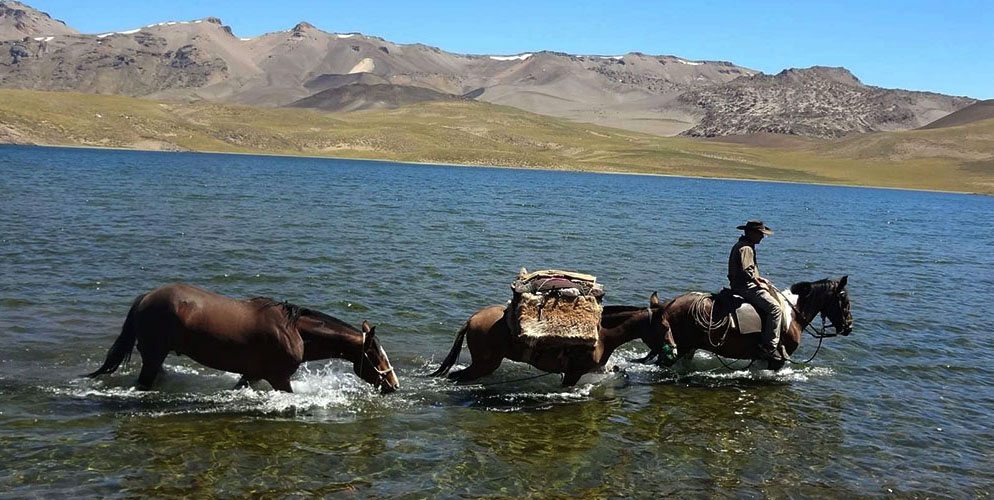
{"type": "Point", "coordinates": [668, 355]}
{"type": "Point", "coordinates": [389, 383]}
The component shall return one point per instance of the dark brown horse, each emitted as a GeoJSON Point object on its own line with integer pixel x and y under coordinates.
{"type": "Point", "coordinates": [684, 334]}
{"type": "Point", "coordinates": [258, 338]}
{"type": "Point", "coordinates": [490, 340]}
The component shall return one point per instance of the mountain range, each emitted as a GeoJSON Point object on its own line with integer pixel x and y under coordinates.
{"type": "Point", "coordinates": [203, 60]}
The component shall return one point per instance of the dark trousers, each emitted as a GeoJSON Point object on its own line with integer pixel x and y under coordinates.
{"type": "Point", "coordinates": [772, 317]}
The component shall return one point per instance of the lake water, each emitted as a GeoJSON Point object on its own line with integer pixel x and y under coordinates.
{"type": "Point", "coordinates": [903, 407]}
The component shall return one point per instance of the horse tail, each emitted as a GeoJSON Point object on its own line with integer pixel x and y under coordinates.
{"type": "Point", "coordinates": [453, 355]}
{"type": "Point", "coordinates": [120, 352]}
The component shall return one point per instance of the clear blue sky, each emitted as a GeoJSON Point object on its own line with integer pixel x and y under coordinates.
{"type": "Point", "coordinates": [941, 46]}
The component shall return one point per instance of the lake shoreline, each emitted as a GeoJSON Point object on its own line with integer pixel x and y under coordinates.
{"type": "Point", "coordinates": [469, 165]}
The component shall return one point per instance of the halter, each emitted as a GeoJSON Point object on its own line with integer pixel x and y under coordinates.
{"type": "Point", "coordinates": [365, 357]}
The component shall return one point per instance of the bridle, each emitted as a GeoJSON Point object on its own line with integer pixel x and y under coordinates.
{"type": "Point", "coordinates": [668, 351]}
{"type": "Point", "coordinates": [818, 333]}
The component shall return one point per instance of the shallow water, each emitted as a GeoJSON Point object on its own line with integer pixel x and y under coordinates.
{"type": "Point", "coordinates": [900, 408]}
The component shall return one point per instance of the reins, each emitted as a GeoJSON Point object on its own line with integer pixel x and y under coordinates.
{"type": "Point", "coordinates": [814, 332]}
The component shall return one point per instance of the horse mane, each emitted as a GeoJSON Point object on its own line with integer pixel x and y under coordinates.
{"type": "Point", "coordinates": [809, 288]}
{"type": "Point", "coordinates": [609, 310]}
{"type": "Point", "coordinates": [293, 312]}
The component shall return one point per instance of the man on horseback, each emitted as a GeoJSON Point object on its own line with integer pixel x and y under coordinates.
{"type": "Point", "coordinates": [744, 279]}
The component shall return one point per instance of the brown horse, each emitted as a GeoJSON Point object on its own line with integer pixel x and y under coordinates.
{"type": "Point", "coordinates": [490, 341]}
{"type": "Point", "coordinates": [684, 334]}
{"type": "Point", "coordinates": [258, 338]}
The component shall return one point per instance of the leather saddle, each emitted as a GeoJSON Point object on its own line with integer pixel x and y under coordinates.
{"type": "Point", "coordinates": [741, 314]}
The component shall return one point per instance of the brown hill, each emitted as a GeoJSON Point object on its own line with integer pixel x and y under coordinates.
{"type": "Point", "coordinates": [359, 96]}
{"type": "Point", "coordinates": [980, 110]}
{"type": "Point", "coordinates": [665, 95]}
{"type": "Point", "coordinates": [18, 21]}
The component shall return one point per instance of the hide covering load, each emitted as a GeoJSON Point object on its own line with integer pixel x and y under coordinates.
{"type": "Point", "coordinates": [556, 309]}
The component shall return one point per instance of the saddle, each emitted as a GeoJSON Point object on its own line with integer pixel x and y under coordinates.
{"type": "Point", "coordinates": [742, 314]}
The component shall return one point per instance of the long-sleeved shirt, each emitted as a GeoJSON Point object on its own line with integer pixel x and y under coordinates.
{"type": "Point", "coordinates": [742, 266]}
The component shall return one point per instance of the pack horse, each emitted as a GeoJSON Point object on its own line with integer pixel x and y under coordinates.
{"type": "Point", "coordinates": [554, 322]}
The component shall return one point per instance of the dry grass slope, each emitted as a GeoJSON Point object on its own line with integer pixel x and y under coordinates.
{"type": "Point", "coordinates": [473, 133]}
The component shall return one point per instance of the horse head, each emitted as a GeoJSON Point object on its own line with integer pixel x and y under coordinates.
{"type": "Point", "coordinates": [838, 310]}
{"type": "Point", "coordinates": [373, 366]}
{"type": "Point", "coordinates": [832, 301]}
{"type": "Point", "coordinates": [661, 340]}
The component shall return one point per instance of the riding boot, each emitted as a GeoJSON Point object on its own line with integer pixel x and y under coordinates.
{"type": "Point", "coordinates": [768, 353]}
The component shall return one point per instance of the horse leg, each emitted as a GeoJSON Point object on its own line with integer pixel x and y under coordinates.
{"type": "Point", "coordinates": [646, 359]}
{"type": "Point", "coordinates": [571, 378]}
{"type": "Point", "coordinates": [487, 350]}
{"type": "Point", "coordinates": [151, 366]}
{"type": "Point", "coordinates": [244, 382]}
{"type": "Point", "coordinates": [477, 368]}
{"type": "Point", "coordinates": [280, 384]}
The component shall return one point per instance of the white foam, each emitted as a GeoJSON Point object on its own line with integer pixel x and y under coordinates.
{"type": "Point", "coordinates": [129, 32]}
{"type": "Point", "coordinates": [104, 35]}
{"type": "Point", "coordinates": [519, 57]}
{"type": "Point", "coordinates": [246, 39]}
{"type": "Point", "coordinates": [202, 390]}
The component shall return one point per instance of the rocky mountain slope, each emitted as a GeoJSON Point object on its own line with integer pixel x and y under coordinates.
{"type": "Point", "coordinates": [665, 95]}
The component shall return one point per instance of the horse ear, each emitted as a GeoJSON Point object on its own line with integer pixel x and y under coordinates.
{"type": "Point", "coordinates": [654, 299]}
{"type": "Point", "coordinates": [365, 326]}
{"type": "Point", "coordinates": [843, 281]}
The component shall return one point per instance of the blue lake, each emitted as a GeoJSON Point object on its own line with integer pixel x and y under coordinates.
{"type": "Point", "coordinates": [903, 407]}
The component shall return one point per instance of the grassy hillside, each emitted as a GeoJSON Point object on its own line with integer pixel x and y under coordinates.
{"type": "Point", "coordinates": [956, 158]}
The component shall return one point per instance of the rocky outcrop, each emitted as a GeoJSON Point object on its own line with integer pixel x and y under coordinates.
{"type": "Point", "coordinates": [818, 101]}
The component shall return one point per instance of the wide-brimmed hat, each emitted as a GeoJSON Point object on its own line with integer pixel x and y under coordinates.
{"type": "Point", "coordinates": [756, 225]}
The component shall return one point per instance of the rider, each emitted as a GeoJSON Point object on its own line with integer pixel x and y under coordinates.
{"type": "Point", "coordinates": [744, 279]}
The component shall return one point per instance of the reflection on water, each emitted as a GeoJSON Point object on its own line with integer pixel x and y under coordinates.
{"type": "Point", "coordinates": [900, 408]}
